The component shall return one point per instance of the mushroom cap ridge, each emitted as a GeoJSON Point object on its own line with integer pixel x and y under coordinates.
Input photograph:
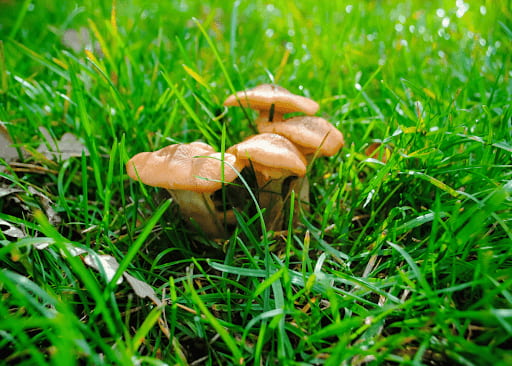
{"type": "Point", "coordinates": [192, 167]}
{"type": "Point", "coordinates": [263, 96]}
{"type": "Point", "coordinates": [308, 133]}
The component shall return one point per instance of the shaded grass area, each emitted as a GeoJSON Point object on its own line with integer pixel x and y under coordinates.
{"type": "Point", "coordinates": [403, 262]}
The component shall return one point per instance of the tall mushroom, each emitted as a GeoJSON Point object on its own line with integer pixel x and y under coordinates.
{"type": "Point", "coordinates": [272, 102]}
{"type": "Point", "coordinates": [191, 173]}
{"type": "Point", "coordinates": [273, 158]}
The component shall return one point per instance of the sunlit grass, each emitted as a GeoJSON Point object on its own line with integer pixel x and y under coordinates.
{"type": "Point", "coordinates": [403, 262]}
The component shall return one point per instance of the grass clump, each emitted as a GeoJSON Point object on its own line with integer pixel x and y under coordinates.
{"type": "Point", "coordinates": [402, 262]}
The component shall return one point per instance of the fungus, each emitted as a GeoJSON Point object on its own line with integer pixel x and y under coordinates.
{"type": "Point", "coordinates": [311, 135]}
{"type": "Point", "coordinates": [274, 159]}
{"type": "Point", "coordinates": [272, 102]}
{"type": "Point", "coordinates": [191, 173]}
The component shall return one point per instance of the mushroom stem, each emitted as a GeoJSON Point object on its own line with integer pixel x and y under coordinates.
{"type": "Point", "coordinates": [274, 196]}
{"type": "Point", "coordinates": [271, 112]}
{"type": "Point", "coordinates": [200, 207]}
{"type": "Point", "coordinates": [266, 116]}
{"type": "Point", "coordinates": [275, 162]}
{"type": "Point", "coordinates": [301, 187]}
{"type": "Point", "coordinates": [270, 198]}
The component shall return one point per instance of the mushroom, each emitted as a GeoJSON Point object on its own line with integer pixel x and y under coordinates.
{"type": "Point", "coordinates": [313, 136]}
{"type": "Point", "coordinates": [274, 159]}
{"type": "Point", "coordinates": [191, 173]}
{"type": "Point", "coordinates": [272, 102]}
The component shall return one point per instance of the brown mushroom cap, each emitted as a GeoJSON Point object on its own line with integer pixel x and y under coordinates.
{"type": "Point", "coordinates": [192, 167]}
{"type": "Point", "coordinates": [308, 133]}
{"type": "Point", "coordinates": [263, 96]}
{"type": "Point", "coordinates": [272, 155]}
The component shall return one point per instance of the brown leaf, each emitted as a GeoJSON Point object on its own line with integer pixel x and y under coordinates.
{"type": "Point", "coordinates": [142, 289]}
{"type": "Point", "coordinates": [105, 264]}
{"type": "Point", "coordinates": [19, 199]}
{"type": "Point", "coordinates": [7, 151]}
{"type": "Point", "coordinates": [44, 243]}
{"type": "Point", "coordinates": [6, 191]}
{"type": "Point", "coordinates": [11, 230]}
{"type": "Point", "coordinates": [109, 266]}
{"type": "Point", "coordinates": [69, 146]}
{"type": "Point", "coordinates": [52, 215]}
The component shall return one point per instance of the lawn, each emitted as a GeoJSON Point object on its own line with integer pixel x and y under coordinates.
{"type": "Point", "coordinates": [401, 258]}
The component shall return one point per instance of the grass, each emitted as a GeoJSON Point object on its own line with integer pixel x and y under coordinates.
{"type": "Point", "coordinates": [407, 262]}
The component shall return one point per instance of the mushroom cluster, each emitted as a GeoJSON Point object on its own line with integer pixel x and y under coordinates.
{"type": "Point", "coordinates": [278, 156]}
{"type": "Point", "coordinates": [308, 136]}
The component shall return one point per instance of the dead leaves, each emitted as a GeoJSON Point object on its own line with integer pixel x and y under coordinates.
{"type": "Point", "coordinates": [20, 199]}
{"type": "Point", "coordinates": [105, 264]}
{"type": "Point", "coordinates": [8, 151]}
{"type": "Point", "coordinates": [108, 266]}
{"type": "Point", "coordinates": [11, 230]}
{"type": "Point", "coordinates": [67, 147]}
{"type": "Point", "coordinates": [21, 203]}
{"type": "Point", "coordinates": [142, 289]}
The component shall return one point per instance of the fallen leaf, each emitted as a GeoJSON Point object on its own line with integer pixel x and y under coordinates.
{"type": "Point", "coordinates": [109, 266]}
{"type": "Point", "coordinates": [142, 289]}
{"type": "Point", "coordinates": [75, 251]}
{"type": "Point", "coordinates": [11, 230]}
{"type": "Point", "coordinates": [105, 264]}
{"type": "Point", "coordinates": [67, 147]}
{"type": "Point", "coordinates": [16, 199]}
{"type": "Point", "coordinates": [6, 191]}
{"type": "Point", "coordinates": [52, 215]}
{"type": "Point", "coordinates": [43, 243]}
{"type": "Point", "coordinates": [12, 199]}
{"type": "Point", "coordinates": [7, 151]}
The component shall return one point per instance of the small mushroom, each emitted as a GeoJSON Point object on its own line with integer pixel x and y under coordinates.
{"type": "Point", "coordinates": [191, 173]}
{"type": "Point", "coordinates": [272, 102]}
{"type": "Point", "coordinates": [312, 136]}
{"type": "Point", "coordinates": [274, 159]}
